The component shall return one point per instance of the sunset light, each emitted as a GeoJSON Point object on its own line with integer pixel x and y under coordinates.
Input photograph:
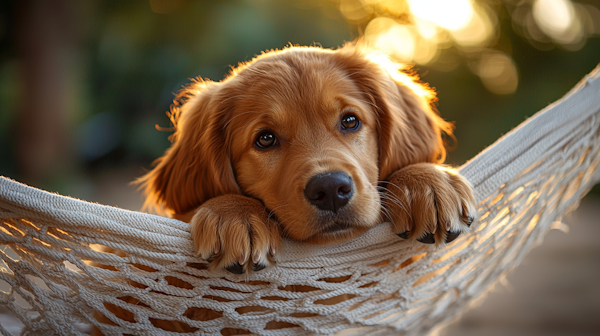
{"type": "Point", "coordinates": [558, 19]}
{"type": "Point", "coordinates": [448, 14]}
{"type": "Point", "coordinates": [392, 38]}
{"type": "Point", "coordinates": [421, 31]}
{"type": "Point", "coordinates": [498, 73]}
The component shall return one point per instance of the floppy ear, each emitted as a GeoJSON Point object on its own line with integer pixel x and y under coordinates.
{"type": "Point", "coordinates": [410, 131]}
{"type": "Point", "coordinates": [197, 166]}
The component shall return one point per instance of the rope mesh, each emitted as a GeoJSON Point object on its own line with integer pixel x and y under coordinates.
{"type": "Point", "coordinates": [65, 259]}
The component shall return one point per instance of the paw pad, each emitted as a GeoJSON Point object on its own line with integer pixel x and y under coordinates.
{"type": "Point", "coordinates": [236, 268]}
{"type": "Point", "coordinates": [258, 267]}
{"type": "Point", "coordinates": [451, 236]}
{"type": "Point", "coordinates": [404, 235]}
{"type": "Point", "coordinates": [428, 238]}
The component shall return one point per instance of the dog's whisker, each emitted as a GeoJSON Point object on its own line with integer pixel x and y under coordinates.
{"type": "Point", "coordinates": [398, 203]}
{"type": "Point", "coordinates": [390, 183]}
{"type": "Point", "coordinates": [385, 216]}
{"type": "Point", "coordinates": [386, 191]}
{"type": "Point", "coordinates": [388, 195]}
{"type": "Point", "coordinates": [388, 215]}
{"type": "Point", "coordinates": [394, 200]}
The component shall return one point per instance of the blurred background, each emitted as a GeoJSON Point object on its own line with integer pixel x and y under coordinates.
{"type": "Point", "coordinates": [85, 85]}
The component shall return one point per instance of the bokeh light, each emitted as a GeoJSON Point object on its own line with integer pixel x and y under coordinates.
{"type": "Point", "coordinates": [392, 38]}
{"type": "Point", "coordinates": [448, 14]}
{"type": "Point", "coordinates": [417, 31]}
{"type": "Point", "coordinates": [498, 72]}
{"type": "Point", "coordinates": [558, 19]}
{"type": "Point", "coordinates": [478, 31]}
{"type": "Point", "coordinates": [354, 10]}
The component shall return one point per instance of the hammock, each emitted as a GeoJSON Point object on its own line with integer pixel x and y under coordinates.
{"type": "Point", "coordinates": [71, 258]}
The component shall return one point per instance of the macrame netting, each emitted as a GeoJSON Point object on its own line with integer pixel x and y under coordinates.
{"type": "Point", "coordinates": [59, 269]}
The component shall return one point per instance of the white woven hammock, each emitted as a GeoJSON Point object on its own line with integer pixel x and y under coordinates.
{"type": "Point", "coordinates": [376, 284]}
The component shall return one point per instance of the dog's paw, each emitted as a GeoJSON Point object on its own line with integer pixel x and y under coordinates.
{"type": "Point", "coordinates": [235, 233]}
{"type": "Point", "coordinates": [430, 203]}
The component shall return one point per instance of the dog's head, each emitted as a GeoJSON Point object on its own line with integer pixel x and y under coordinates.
{"type": "Point", "coordinates": [309, 132]}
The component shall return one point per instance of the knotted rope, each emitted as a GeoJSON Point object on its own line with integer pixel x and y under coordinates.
{"type": "Point", "coordinates": [65, 258]}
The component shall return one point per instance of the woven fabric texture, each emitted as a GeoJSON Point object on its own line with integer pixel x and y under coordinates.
{"type": "Point", "coordinates": [66, 260]}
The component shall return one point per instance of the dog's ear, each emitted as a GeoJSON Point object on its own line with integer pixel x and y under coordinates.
{"type": "Point", "coordinates": [409, 129]}
{"type": "Point", "coordinates": [197, 166]}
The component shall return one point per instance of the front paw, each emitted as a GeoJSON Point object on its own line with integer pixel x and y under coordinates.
{"type": "Point", "coordinates": [235, 233]}
{"type": "Point", "coordinates": [430, 203]}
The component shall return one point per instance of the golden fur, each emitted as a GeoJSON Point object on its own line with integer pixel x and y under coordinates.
{"type": "Point", "coordinates": [241, 200]}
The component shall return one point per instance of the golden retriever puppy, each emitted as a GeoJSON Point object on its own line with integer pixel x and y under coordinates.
{"type": "Point", "coordinates": [309, 144]}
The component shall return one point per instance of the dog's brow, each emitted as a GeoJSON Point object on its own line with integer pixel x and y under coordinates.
{"type": "Point", "coordinates": [367, 102]}
{"type": "Point", "coordinates": [372, 104]}
{"type": "Point", "coordinates": [229, 121]}
{"type": "Point", "coordinates": [251, 120]}
{"type": "Point", "coordinates": [345, 77]}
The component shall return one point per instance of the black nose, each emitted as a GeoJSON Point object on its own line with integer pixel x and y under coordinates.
{"type": "Point", "coordinates": [329, 191]}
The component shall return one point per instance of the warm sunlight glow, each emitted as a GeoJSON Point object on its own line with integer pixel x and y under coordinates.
{"type": "Point", "coordinates": [426, 29]}
{"type": "Point", "coordinates": [498, 73]}
{"type": "Point", "coordinates": [559, 20]}
{"type": "Point", "coordinates": [401, 77]}
{"type": "Point", "coordinates": [354, 11]}
{"type": "Point", "coordinates": [426, 51]}
{"type": "Point", "coordinates": [391, 38]}
{"type": "Point", "coordinates": [449, 14]}
{"type": "Point", "coordinates": [440, 33]}
{"type": "Point", "coordinates": [400, 41]}
{"type": "Point", "coordinates": [393, 7]}
{"type": "Point", "coordinates": [477, 31]}
{"type": "Point", "coordinates": [553, 16]}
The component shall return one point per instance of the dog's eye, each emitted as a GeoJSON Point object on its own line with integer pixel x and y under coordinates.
{"type": "Point", "coordinates": [350, 122]}
{"type": "Point", "coordinates": [265, 140]}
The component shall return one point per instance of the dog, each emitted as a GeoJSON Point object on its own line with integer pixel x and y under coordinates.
{"type": "Point", "coordinates": [308, 144]}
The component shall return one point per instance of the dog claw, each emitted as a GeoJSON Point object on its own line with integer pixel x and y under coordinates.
{"type": "Point", "coordinates": [470, 220]}
{"type": "Point", "coordinates": [451, 236]}
{"type": "Point", "coordinates": [404, 235]}
{"type": "Point", "coordinates": [242, 259]}
{"type": "Point", "coordinates": [429, 238]}
{"type": "Point", "coordinates": [236, 268]}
